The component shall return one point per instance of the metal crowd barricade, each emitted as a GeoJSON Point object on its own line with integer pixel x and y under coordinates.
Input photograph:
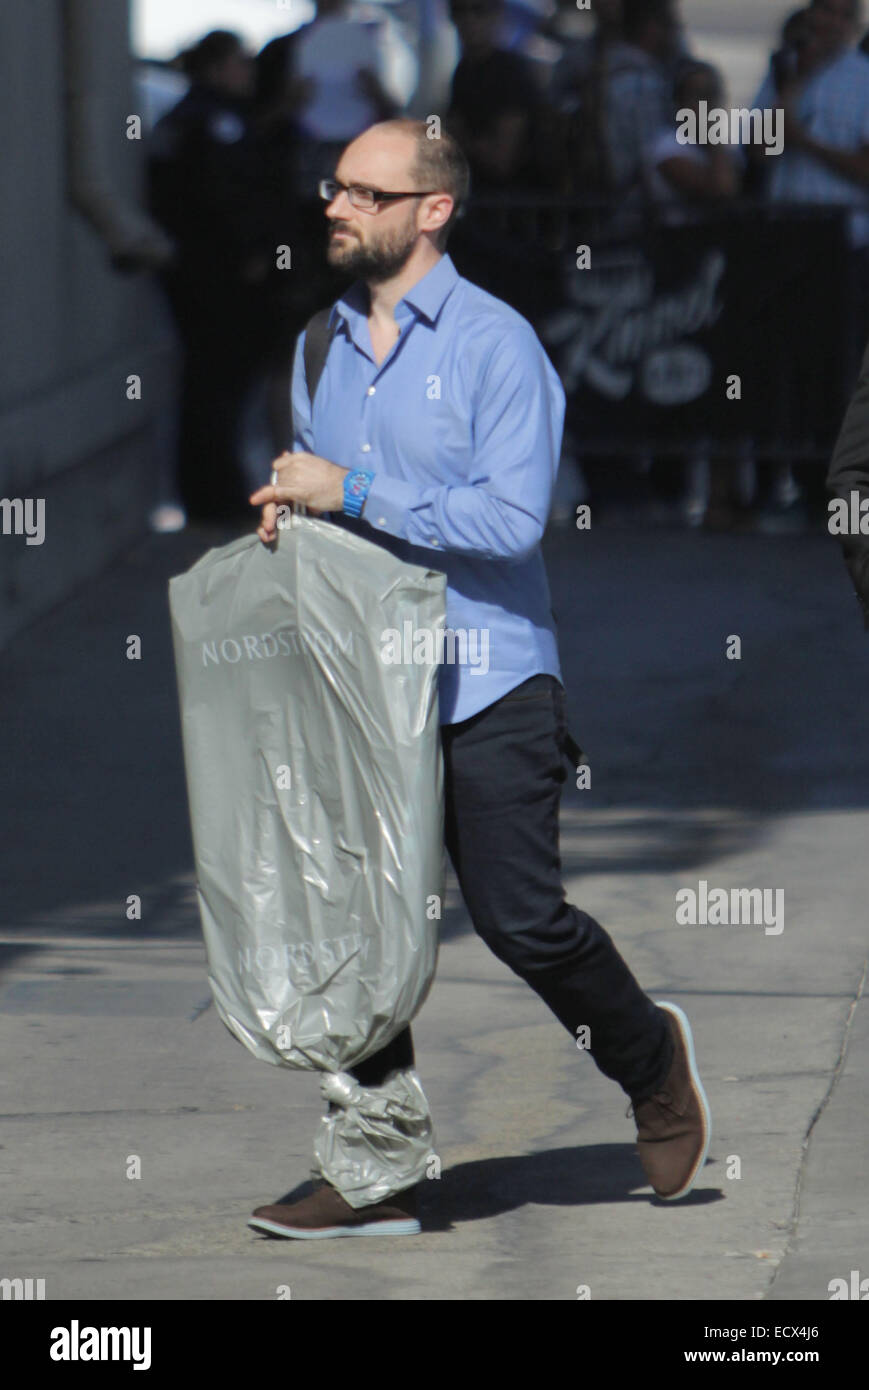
{"type": "Point", "coordinates": [679, 328]}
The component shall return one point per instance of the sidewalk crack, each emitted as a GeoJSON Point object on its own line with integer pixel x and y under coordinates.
{"type": "Point", "coordinates": [819, 1110]}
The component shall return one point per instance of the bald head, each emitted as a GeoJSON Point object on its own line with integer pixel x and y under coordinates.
{"type": "Point", "coordinates": [405, 154]}
{"type": "Point", "coordinates": [385, 154]}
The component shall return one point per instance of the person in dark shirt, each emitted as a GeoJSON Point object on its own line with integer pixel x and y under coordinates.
{"type": "Point", "coordinates": [207, 189]}
{"type": "Point", "coordinates": [577, 95]}
{"type": "Point", "coordinates": [281, 93]}
{"type": "Point", "coordinates": [494, 101]}
{"type": "Point", "coordinates": [580, 56]}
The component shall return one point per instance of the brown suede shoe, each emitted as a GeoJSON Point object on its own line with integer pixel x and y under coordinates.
{"type": "Point", "coordinates": [325, 1213]}
{"type": "Point", "coordinates": [674, 1125]}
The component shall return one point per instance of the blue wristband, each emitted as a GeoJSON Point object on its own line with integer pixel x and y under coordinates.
{"type": "Point", "coordinates": [356, 485]}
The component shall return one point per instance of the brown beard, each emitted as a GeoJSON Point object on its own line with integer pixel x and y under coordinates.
{"type": "Point", "coordinates": [373, 263]}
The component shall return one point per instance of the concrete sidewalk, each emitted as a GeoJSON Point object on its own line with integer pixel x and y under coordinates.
{"type": "Point", "coordinates": [746, 774]}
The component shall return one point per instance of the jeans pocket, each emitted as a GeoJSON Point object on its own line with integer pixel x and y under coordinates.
{"type": "Point", "coordinates": [536, 688]}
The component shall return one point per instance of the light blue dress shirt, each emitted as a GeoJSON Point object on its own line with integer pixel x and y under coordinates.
{"type": "Point", "coordinates": [461, 426]}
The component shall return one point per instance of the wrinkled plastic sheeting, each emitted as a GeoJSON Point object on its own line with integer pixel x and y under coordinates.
{"type": "Point", "coordinates": [315, 784]}
{"type": "Point", "coordinates": [374, 1142]}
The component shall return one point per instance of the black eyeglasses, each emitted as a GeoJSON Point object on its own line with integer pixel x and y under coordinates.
{"type": "Point", "coordinates": [365, 198]}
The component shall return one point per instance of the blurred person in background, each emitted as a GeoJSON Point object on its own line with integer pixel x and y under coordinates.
{"type": "Point", "coordinates": [615, 91]}
{"type": "Point", "coordinates": [823, 89]}
{"type": "Point", "coordinates": [580, 55]}
{"type": "Point", "coordinates": [576, 92]}
{"type": "Point", "coordinates": [687, 181]}
{"type": "Point", "coordinates": [522, 24]}
{"type": "Point", "coordinates": [495, 113]}
{"type": "Point", "coordinates": [637, 93]}
{"type": "Point", "coordinates": [294, 294]}
{"type": "Point", "coordinates": [330, 75]}
{"type": "Point", "coordinates": [208, 191]}
{"type": "Point", "coordinates": [789, 61]}
{"type": "Point", "coordinates": [493, 103]}
{"type": "Point", "coordinates": [158, 87]}
{"type": "Point", "coordinates": [683, 177]}
{"type": "Point", "coordinates": [316, 89]}
{"type": "Point", "coordinates": [821, 83]}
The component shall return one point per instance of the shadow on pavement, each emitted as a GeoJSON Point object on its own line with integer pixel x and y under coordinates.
{"type": "Point", "coordinates": [569, 1177]}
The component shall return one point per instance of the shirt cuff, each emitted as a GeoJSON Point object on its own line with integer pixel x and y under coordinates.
{"type": "Point", "coordinates": [388, 503]}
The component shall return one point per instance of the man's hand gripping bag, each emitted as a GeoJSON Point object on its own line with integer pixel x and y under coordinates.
{"type": "Point", "coordinates": [315, 784]}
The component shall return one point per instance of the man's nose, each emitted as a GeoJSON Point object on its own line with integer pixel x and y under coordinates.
{"type": "Point", "coordinates": [334, 209]}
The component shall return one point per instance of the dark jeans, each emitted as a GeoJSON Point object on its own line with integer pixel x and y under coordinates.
{"type": "Point", "coordinates": [503, 774]}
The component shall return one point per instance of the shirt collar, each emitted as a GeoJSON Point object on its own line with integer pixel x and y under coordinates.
{"type": "Point", "coordinates": [427, 296]}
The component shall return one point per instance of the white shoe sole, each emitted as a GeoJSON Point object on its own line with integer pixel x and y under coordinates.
{"type": "Point", "coordinates": [410, 1227]}
{"type": "Point", "coordinates": [687, 1037]}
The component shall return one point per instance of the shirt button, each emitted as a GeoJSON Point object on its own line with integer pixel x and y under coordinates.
{"type": "Point", "coordinates": [371, 390]}
{"type": "Point", "coordinates": [366, 448]}
{"type": "Point", "coordinates": [381, 521]}
{"type": "Point", "coordinates": [434, 540]}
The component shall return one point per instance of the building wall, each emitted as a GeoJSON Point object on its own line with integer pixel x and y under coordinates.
{"type": "Point", "coordinates": [72, 328]}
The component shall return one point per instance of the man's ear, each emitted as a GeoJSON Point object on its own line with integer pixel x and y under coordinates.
{"type": "Point", "coordinates": [441, 204]}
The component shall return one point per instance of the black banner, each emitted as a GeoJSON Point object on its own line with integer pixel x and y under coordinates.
{"type": "Point", "coordinates": [736, 328]}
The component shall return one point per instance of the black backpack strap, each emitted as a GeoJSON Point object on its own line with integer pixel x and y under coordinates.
{"type": "Point", "coordinates": [317, 343]}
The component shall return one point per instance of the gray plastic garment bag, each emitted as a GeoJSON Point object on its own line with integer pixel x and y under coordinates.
{"type": "Point", "coordinates": [315, 784]}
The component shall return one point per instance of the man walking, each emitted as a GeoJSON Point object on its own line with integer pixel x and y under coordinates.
{"type": "Point", "coordinates": [435, 431]}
